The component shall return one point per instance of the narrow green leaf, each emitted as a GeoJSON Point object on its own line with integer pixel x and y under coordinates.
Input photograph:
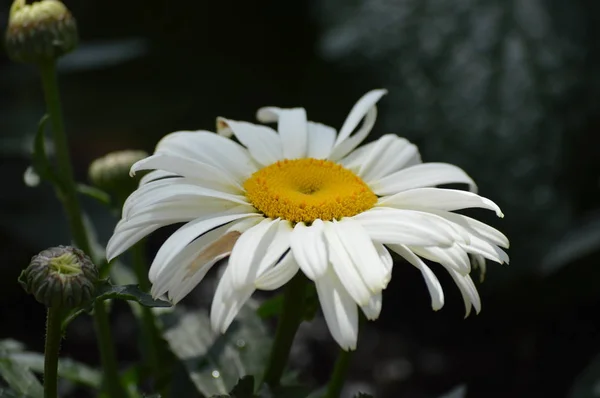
{"type": "Point", "coordinates": [216, 362]}
{"type": "Point", "coordinates": [271, 307]}
{"type": "Point", "coordinates": [8, 393]}
{"type": "Point", "coordinates": [19, 377]}
{"type": "Point", "coordinates": [40, 161]}
{"type": "Point", "coordinates": [94, 193]}
{"type": "Point", "coordinates": [106, 291]}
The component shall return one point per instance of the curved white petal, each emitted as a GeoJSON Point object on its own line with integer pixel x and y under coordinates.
{"type": "Point", "coordinates": [156, 175]}
{"type": "Point", "coordinates": [257, 250]}
{"type": "Point", "coordinates": [186, 234]}
{"type": "Point", "coordinates": [439, 199]}
{"type": "Point", "coordinates": [206, 175]}
{"type": "Point", "coordinates": [468, 291]}
{"type": "Point", "coordinates": [227, 303]}
{"type": "Point", "coordinates": [320, 140]}
{"type": "Point", "coordinates": [279, 275]}
{"type": "Point", "coordinates": [412, 228]}
{"type": "Point", "coordinates": [420, 176]}
{"type": "Point", "coordinates": [191, 264]}
{"type": "Point", "coordinates": [454, 257]}
{"type": "Point", "coordinates": [364, 108]}
{"type": "Point", "coordinates": [175, 190]}
{"type": "Point", "coordinates": [373, 309]}
{"type": "Point", "coordinates": [486, 249]}
{"type": "Point", "coordinates": [123, 240]}
{"type": "Point", "coordinates": [389, 154]}
{"type": "Point", "coordinates": [385, 256]}
{"type": "Point", "coordinates": [344, 266]}
{"type": "Point", "coordinates": [432, 282]}
{"type": "Point", "coordinates": [476, 227]}
{"type": "Point", "coordinates": [339, 310]}
{"type": "Point", "coordinates": [263, 143]}
{"type": "Point", "coordinates": [293, 130]}
{"type": "Point", "coordinates": [309, 248]}
{"type": "Point", "coordinates": [210, 148]}
{"type": "Point", "coordinates": [364, 255]}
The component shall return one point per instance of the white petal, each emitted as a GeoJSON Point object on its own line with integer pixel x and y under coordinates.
{"type": "Point", "coordinates": [433, 284]}
{"type": "Point", "coordinates": [186, 234]}
{"type": "Point", "coordinates": [156, 175]}
{"type": "Point", "coordinates": [439, 199]}
{"type": "Point", "coordinates": [210, 148]}
{"type": "Point", "coordinates": [191, 264]}
{"type": "Point", "coordinates": [476, 227]}
{"type": "Point", "coordinates": [123, 240]}
{"type": "Point", "coordinates": [339, 310]}
{"type": "Point", "coordinates": [389, 154]}
{"type": "Point", "coordinates": [279, 275]}
{"type": "Point", "coordinates": [257, 250]}
{"type": "Point", "coordinates": [343, 265]}
{"type": "Point", "coordinates": [174, 190]}
{"type": "Point", "coordinates": [385, 256]}
{"type": "Point", "coordinates": [263, 143]}
{"type": "Point", "coordinates": [421, 175]}
{"type": "Point", "coordinates": [207, 175]}
{"type": "Point", "coordinates": [320, 140]}
{"type": "Point", "coordinates": [223, 311]}
{"type": "Point", "coordinates": [309, 248]}
{"type": "Point", "coordinates": [293, 130]}
{"type": "Point", "coordinates": [412, 228]}
{"type": "Point", "coordinates": [486, 249]}
{"type": "Point", "coordinates": [364, 255]}
{"type": "Point", "coordinates": [373, 309]}
{"type": "Point", "coordinates": [364, 108]}
{"type": "Point", "coordinates": [468, 291]}
{"type": "Point", "coordinates": [454, 257]}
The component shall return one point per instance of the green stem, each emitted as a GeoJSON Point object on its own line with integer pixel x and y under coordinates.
{"type": "Point", "coordinates": [148, 324]}
{"type": "Point", "coordinates": [336, 383]}
{"type": "Point", "coordinates": [68, 195]}
{"type": "Point", "coordinates": [290, 318]}
{"type": "Point", "coordinates": [109, 363]}
{"type": "Point", "coordinates": [53, 336]}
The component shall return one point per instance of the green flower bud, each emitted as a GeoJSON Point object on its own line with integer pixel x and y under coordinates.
{"type": "Point", "coordinates": [111, 172]}
{"type": "Point", "coordinates": [61, 276]}
{"type": "Point", "coordinates": [38, 32]}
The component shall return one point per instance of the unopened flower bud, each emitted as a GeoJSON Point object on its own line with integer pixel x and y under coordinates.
{"type": "Point", "coordinates": [41, 31]}
{"type": "Point", "coordinates": [111, 172]}
{"type": "Point", "coordinates": [61, 276]}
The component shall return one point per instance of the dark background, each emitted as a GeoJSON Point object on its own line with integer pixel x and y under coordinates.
{"type": "Point", "coordinates": [507, 90]}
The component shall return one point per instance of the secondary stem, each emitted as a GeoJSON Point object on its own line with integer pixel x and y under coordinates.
{"type": "Point", "coordinates": [53, 336]}
{"type": "Point", "coordinates": [339, 374]}
{"type": "Point", "coordinates": [68, 195]}
{"type": "Point", "coordinates": [106, 346]}
{"type": "Point", "coordinates": [291, 316]}
{"type": "Point", "coordinates": [148, 324]}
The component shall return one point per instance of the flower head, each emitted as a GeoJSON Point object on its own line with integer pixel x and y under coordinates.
{"type": "Point", "coordinates": [60, 276]}
{"type": "Point", "coordinates": [304, 198]}
{"type": "Point", "coordinates": [38, 32]}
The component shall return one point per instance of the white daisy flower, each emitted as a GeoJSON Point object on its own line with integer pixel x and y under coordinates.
{"type": "Point", "coordinates": [304, 198]}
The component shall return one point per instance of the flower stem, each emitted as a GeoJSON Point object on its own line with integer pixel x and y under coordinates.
{"type": "Point", "coordinates": [53, 336]}
{"type": "Point", "coordinates": [105, 343]}
{"type": "Point", "coordinates": [68, 195]}
{"type": "Point", "coordinates": [291, 316]}
{"type": "Point", "coordinates": [67, 191]}
{"type": "Point", "coordinates": [339, 374]}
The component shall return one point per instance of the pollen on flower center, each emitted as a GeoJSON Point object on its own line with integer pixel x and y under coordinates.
{"type": "Point", "coordinates": [308, 189]}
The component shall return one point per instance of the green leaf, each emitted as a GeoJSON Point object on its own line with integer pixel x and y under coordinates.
{"type": "Point", "coordinates": [8, 393]}
{"type": "Point", "coordinates": [273, 306]}
{"type": "Point", "coordinates": [76, 372]}
{"type": "Point", "coordinates": [17, 376]}
{"type": "Point", "coordinates": [106, 291]}
{"type": "Point", "coordinates": [216, 362]}
{"type": "Point", "coordinates": [94, 193]}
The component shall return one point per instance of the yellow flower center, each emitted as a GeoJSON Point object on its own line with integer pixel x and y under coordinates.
{"type": "Point", "coordinates": [308, 189]}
